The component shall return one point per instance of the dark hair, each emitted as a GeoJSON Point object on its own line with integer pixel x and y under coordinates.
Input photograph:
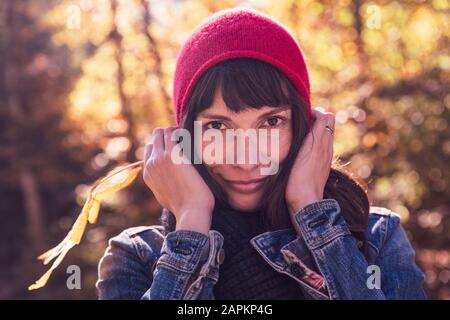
{"type": "Point", "coordinates": [251, 83]}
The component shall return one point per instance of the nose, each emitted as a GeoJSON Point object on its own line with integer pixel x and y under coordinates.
{"type": "Point", "coordinates": [246, 160]}
{"type": "Point", "coordinates": [243, 153]}
{"type": "Point", "coordinates": [247, 166]}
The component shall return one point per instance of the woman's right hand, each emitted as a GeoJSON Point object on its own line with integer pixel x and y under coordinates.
{"type": "Point", "coordinates": [177, 187]}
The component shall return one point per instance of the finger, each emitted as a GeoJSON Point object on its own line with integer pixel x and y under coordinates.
{"type": "Point", "coordinates": [320, 122]}
{"type": "Point", "coordinates": [331, 124]}
{"type": "Point", "coordinates": [147, 155]}
{"type": "Point", "coordinates": [317, 132]}
{"type": "Point", "coordinates": [158, 141]}
{"type": "Point", "coordinates": [328, 125]}
{"type": "Point", "coordinates": [330, 119]}
{"type": "Point", "coordinates": [319, 112]}
{"type": "Point", "coordinates": [324, 135]}
{"type": "Point", "coordinates": [324, 119]}
{"type": "Point", "coordinates": [147, 151]}
{"type": "Point", "coordinates": [168, 142]}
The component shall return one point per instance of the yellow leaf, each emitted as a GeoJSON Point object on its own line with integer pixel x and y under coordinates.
{"type": "Point", "coordinates": [116, 183]}
{"type": "Point", "coordinates": [43, 280]}
{"type": "Point", "coordinates": [112, 182]}
{"type": "Point", "coordinates": [76, 233]}
{"type": "Point", "coordinates": [95, 210]}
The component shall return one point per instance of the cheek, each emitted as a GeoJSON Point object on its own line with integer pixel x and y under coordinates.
{"type": "Point", "coordinates": [278, 144]}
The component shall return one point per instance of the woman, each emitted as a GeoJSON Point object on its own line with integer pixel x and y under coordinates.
{"type": "Point", "coordinates": [228, 231]}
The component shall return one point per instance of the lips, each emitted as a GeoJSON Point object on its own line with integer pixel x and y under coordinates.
{"type": "Point", "coordinates": [246, 186]}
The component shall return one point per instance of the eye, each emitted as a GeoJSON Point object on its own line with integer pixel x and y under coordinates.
{"type": "Point", "coordinates": [214, 125]}
{"type": "Point", "coordinates": [273, 121]}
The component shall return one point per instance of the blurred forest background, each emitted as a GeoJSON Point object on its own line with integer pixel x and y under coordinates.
{"type": "Point", "coordinates": [84, 82]}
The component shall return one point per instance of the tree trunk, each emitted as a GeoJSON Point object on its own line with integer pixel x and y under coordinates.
{"type": "Point", "coordinates": [27, 180]}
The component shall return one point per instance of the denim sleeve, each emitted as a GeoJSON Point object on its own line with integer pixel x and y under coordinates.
{"type": "Point", "coordinates": [344, 267]}
{"type": "Point", "coordinates": [128, 271]}
{"type": "Point", "coordinates": [401, 278]}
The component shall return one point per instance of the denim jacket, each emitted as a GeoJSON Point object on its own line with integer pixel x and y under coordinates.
{"type": "Point", "coordinates": [146, 263]}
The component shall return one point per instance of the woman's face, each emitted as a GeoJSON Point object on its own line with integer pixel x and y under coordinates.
{"type": "Point", "coordinates": [240, 172]}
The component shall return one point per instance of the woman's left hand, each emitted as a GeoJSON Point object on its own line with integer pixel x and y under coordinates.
{"type": "Point", "coordinates": [312, 166]}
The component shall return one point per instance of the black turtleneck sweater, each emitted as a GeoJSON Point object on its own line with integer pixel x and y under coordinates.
{"type": "Point", "coordinates": [244, 274]}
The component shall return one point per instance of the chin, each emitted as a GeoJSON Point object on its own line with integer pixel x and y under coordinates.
{"type": "Point", "coordinates": [245, 202]}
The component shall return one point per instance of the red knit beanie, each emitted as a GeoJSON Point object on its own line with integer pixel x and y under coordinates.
{"type": "Point", "coordinates": [233, 33]}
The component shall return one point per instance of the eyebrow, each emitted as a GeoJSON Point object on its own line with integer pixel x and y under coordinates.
{"type": "Point", "coordinates": [265, 114]}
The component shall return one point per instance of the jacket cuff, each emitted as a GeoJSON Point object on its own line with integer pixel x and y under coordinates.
{"type": "Point", "coordinates": [321, 222]}
{"type": "Point", "coordinates": [189, 251]}
{"type": "Point", "coordinates": [182, 250]}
